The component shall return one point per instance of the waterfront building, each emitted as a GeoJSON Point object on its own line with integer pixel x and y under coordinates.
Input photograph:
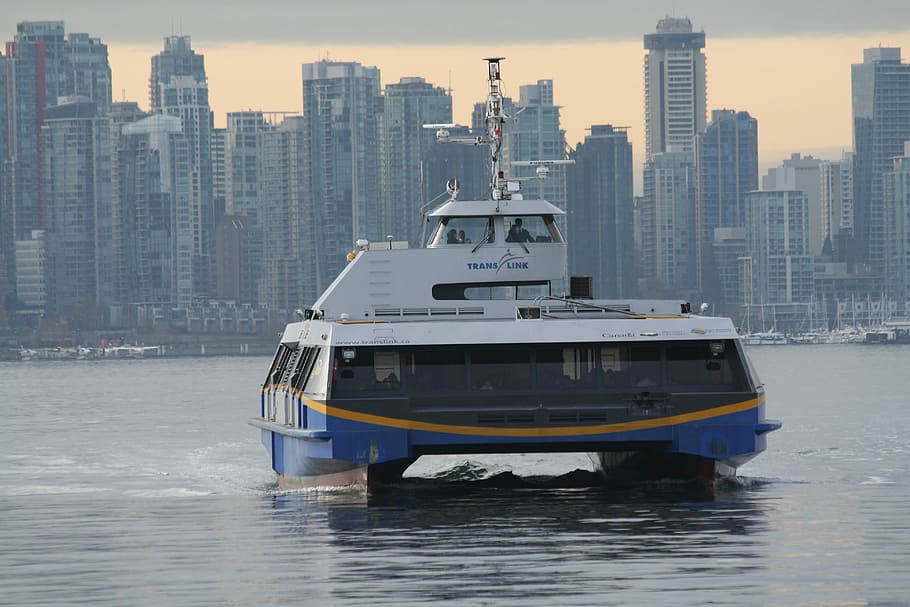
{"type": "Point", "coordinates": [727, 168]}
{"type": "Point", "coordinates": [897, 237]}
{"type": "Point", "coordinates": [31, 273]}
{"type": "Point", "coordinates": [341, 101]}
{"type": "Point", "coordinates": [600, 212]}
{"type": "Point", "coordinates": [675, 87]}
{"type": "Point", "coordinates": [780, 267]}
{"type": "Point", "coordinates": [881, 125]}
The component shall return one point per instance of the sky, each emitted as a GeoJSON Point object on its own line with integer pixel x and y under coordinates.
{"type": "Point", "coordinates": [786, 62]}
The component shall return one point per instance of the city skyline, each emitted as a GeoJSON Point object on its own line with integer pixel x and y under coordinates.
{"type": "Point", "coordinates": [749, 62]}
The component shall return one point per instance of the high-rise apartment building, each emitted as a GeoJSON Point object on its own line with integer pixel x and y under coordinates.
{"type": "Point", "coordinates": [293, 258]}
{"type": "Point", "coordinates": [178, 87]}
{"type": "Point", "coordinates": [881, 125]}
{"type": "Point", "coordinates": [780, 267]}
{"type": "Point", "coordinates": [897, 249]}
{"type": "Point", "coordinates": [405, 146]}
{"type": "Point", "coordinates": [241, 158]}
{"type": "Point", "coordinates": [341, 101]}
{"type": "Point", "coordinates": [837, 203]}
{"type": "Point", "coordinates": [76, 175]}
{"type": "Point", "coordinates": [675, 87]}
{"type": "Point", "coordinates": [534, 133]}
{"type": "Point", "coordinates": [802, 173]}
{"type": "Point", "coordinates": [668, 231]}
{"type": "Point", "coordinates": [157, 223]}
{"type": "Point", "coordinates": [727, 161]}
{"type": "Point", "coordinates": [600, 212]}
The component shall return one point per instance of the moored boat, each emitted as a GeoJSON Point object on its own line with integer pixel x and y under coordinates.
{"type": "Point", "coordinates": [480, 343]}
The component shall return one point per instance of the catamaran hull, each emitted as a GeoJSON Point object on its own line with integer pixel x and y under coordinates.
{"type": "Point", "coordinates": [358, 454]}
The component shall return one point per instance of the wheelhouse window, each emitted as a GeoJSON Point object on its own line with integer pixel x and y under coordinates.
{"type": "Point", "coordinates": [532, 228]}
{"type": "Point", "coordinates": [462, 230]}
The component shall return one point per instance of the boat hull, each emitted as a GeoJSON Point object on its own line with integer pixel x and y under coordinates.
{"type": "Point", "coordinates": [361, 454]}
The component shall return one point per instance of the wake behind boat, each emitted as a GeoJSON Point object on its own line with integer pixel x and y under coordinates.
{"type": "Point", "coordinates": [480, 343]}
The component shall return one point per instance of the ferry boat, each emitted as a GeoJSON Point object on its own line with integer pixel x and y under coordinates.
{"type": "Point", "coordinates": [480, 343]}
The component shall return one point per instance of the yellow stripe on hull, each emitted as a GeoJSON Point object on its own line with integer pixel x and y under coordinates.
{"type": "Point", "coordinates": [645, 424]}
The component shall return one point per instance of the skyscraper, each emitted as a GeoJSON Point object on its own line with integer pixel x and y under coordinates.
{"type": "Point", "coordinates": [241, 155]}
{"type": "Point", "coordinates": [600, 212]}
{"type": "Point", "coordinates": [675, 87]}
{"type": "Point", "coordinates": [341, 101]}
{"type": "Point", "coordinates": [408, 105]}
{"type": "Point", "coordinates": [881, 125]}
{"type": "Point", "coordinates": [178, 87]}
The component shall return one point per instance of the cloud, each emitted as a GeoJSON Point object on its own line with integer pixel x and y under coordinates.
{"type": "Point", "coordinates": [427, 22]}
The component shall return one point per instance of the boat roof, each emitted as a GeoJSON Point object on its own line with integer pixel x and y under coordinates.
{"type": "Point", "coordinates": [484, 208]}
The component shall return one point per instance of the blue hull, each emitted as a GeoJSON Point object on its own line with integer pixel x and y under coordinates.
{"type": "Point", "coordinates": [356, 452]}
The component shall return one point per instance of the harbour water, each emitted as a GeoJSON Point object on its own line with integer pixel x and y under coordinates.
{"type": "Point", "coordinates": [138, 482]}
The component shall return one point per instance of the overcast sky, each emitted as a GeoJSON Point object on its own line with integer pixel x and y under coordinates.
{"type": "Point", "coordinates": [414, 22]}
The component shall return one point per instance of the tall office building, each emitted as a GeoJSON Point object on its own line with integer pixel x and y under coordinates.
{"type": "Point", "coordinates": [534, 133]}
{"type": "Point", "coordinates": [7, 257]}
{"type": "Point", "coordinates": [881, 125]}
{"type": "Point", "coordinates": [675, 87]}
{"type": "Point", "coordinates": [780, 267]}
{"type": "Point", "coordinates": [600, 212]}
{"type": "Point", "coordinates": [156, 227]}
{"type": "Point", "coordinates": [219, 179]}
{"type": "Point", "coordinates": [76, 174]}
{"type": "Point", "coordinates": [727, 161]}
{"type": "Point", "coordinates": [405, 145]}
{"type": "Point", "coordinates": [178, 87]}
{"type": "Point", "coordinates": [341, 101]}
{"type": "Point", "coordinates": [668, 232]}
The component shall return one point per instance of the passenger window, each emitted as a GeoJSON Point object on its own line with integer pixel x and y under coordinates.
{"type": "Point", "coordinates": [501, 369]}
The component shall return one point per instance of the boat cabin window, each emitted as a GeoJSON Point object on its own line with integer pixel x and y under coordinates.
{"type": "Point", "coordinates": [462, 230]}
{"type": "Point", "coordinates": [360, 371]}
{"type": "Point", "coordinates": [532, 228]}
{"type": "Point", "coordinates": [492, 290]}
{"type": "Point", "coordinates": [622, 368]}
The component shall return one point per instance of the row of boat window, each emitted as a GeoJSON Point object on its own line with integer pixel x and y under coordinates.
{"type": "Point", "coordinates": [692, 366]}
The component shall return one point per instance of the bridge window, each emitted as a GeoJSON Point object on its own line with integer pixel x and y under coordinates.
{"type": "Point", "coordinates": [462, 230]}
{"type": "Point", "coordinates": [532, 228]}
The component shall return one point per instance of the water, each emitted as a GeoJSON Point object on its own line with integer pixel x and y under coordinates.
{"type": "Point", "coordinates": [139, 483]}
